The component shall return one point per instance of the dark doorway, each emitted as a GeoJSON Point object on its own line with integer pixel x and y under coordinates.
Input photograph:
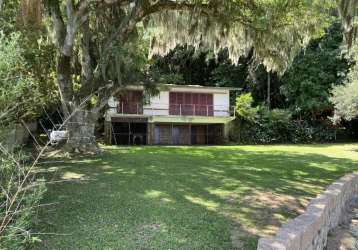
{"type": "Point", "coordinates": [128, 133]}
{"type": "Point", "coordinates": [211, 134]}
{"type": "Point", "coordinates": [198, 134]}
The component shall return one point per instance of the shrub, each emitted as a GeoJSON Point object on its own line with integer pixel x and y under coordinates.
{"type": "Point", "coordinates": [244, 107]}
{"type": "Point", "coordinates": [277, 126]}
{"type": "Point", "coordinates": [20, 195]}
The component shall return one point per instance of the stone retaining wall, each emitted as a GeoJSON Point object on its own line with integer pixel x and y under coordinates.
{"type": "Point", "coordinates": [309, 231]}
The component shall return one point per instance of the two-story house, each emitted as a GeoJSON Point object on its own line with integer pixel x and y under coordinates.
{"type": "Point", "coordinates": [179, 115]}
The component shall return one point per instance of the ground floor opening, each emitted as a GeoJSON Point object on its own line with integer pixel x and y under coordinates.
{"type": "Point", "coordinates": [134, 132]}
{"type": "Point", "coordinates": [187, 134]}
{"type": "Point", "coordinates": [127, 133]}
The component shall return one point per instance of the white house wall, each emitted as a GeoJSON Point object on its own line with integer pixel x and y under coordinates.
{"type": "Point", "coordinates": [112, 103]}
{"type": "Point", "coordinates": [159, 105]}
{"type": "Point", "coordinates": [222, 104]}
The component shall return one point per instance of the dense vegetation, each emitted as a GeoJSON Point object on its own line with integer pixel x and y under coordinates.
{"type": "Point", "coordinates": [26, 86]}
{"type": "Point", "coordinates": [299, 98]}
{"type": "Point", "coordinates": [76, 54]}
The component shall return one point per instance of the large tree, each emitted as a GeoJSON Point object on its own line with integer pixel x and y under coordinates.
{"type": "Point", "coordinates": [97, 42]}
{"type": "Point", "coordinates": [306, 86]}
{"type": "Point", "coordinates": [345, 97]}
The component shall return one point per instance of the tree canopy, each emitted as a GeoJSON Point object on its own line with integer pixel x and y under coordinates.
{"type": "Point", "coordinates": [275, 30]}
{"type": "Point", "coordinates": [345, 97]}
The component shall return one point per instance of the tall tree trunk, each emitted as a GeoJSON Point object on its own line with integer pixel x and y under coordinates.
{"type": "Point", "coordinates": [66, 24]}
{"type": "Point", "coordinates": [81, 132]}
{"type": "Point", "coordinates": [268, 90]}
{"type": "Point", "coordinates": [81, 120]}
{"type": "Point", "coordinates": [64, 81]}
{"type": "Point", "coordinates": [81, 126]}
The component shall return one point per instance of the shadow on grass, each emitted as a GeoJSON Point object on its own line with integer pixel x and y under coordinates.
{"type": "Point", "coordinates": [181, 197]}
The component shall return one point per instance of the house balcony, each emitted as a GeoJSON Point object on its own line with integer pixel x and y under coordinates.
{"type": "Point", "coordinates": [160, 109]}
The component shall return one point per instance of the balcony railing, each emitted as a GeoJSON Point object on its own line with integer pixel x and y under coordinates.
{"type": "Point", "coordinates": [191, 109]}
{"type": "Point", "coordinates": [161, 109]}
{"type": "Point", "coordinates": [132, 108]}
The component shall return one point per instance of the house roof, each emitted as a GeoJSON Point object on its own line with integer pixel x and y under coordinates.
{"type": "Point", "coordinates": [176, 86]}
{"type": "Point", "coordinates": [199, 87]}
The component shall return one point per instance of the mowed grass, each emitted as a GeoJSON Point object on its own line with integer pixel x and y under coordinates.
{"type": "Point", "coordinates": [184, 197]}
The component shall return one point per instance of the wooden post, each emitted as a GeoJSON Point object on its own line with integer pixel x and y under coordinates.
{"type": "Point", "coordinates": [189, 133]}
{"type": "Point", "coordinates": [207, 134]}
{"type": "Point", "coordinates": [171, 134]}
{"type": "Point", "coordinates": [109, 131]}
{"type": "Point", "coordinates": [114, 136]}
{"type": "Point", "coordinates": [148, 133]}
{"type": "Point", "coordinates": [129, 133]}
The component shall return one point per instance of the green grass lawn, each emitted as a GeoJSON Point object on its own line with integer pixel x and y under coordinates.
{"type": "Point", "coordinates": [184, 197]}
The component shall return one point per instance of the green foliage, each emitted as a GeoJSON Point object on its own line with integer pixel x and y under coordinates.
{"type": "Point", "coordinates": [19, 198]}
{"type": "Point", "coordinates": [244, 107]}
{"type": "Point", "coordinates": [269, 127]}
{"type": "Point", "coordinates": [307, 84]}
{"type": "Point", "coordinates": [304, 88]}
{"type": "Point", "coordinates": [345, 97]}
{"type": "Point", "coordinates": [19, 92]}
{"type": "Point", "coordinates": [278, 126]}
{"type": "Point", "coordinates": [274, 30]}
{"type": "Point", "coordinates": [26, 66]}
{"type": "Point", "coordinates": [171, 79]}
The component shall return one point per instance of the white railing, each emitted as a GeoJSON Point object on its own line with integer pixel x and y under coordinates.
{"type": "Point", "coordinates": [161, 109]}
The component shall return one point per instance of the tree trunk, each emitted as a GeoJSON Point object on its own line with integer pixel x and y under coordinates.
{"type": "Point", "coordinates": [268, 90]}
{"type": "Point", "coordinates": [81, 132]}
{"type": "Point", "coordinates": [64, 81]}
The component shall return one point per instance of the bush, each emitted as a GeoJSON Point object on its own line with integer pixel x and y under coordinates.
{"type": "Point", "coordinates": [20, 195]}
{"type": "Point", "coordinates": [277, 126]}
{"type": "Point", "coordinates": [244, 107]}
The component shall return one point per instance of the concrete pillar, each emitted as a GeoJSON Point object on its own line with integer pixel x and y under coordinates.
{"type": "Point", "coordinates": [226, 131]}
{"type": "Point", "coordinates": [150, 133]}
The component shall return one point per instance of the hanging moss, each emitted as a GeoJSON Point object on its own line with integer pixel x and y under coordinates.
{"type": "Point", "coordinates": [347, 10]}
{"type": "Point", "coordinates": [275, 33]}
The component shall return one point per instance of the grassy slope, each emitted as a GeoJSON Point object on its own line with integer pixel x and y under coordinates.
{"type": "Point", "coordinates": [185, 197]}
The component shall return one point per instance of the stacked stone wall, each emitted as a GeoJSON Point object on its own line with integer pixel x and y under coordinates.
{"type": "Point", "coordinates": [309, 231]}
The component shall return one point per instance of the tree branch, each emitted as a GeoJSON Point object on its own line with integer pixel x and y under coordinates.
{"type": "Point", "coordinates": [58, 23]}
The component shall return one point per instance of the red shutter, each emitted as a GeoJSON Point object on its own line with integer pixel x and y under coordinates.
{"type": "Point", "coordinates": [210, 103]}
{"type": "Point", "coordinates": [188, 106]}
{"type": "Point", "coordinates": [172, 101]}
{"type": "Point", "coordinates": [180, 98]}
